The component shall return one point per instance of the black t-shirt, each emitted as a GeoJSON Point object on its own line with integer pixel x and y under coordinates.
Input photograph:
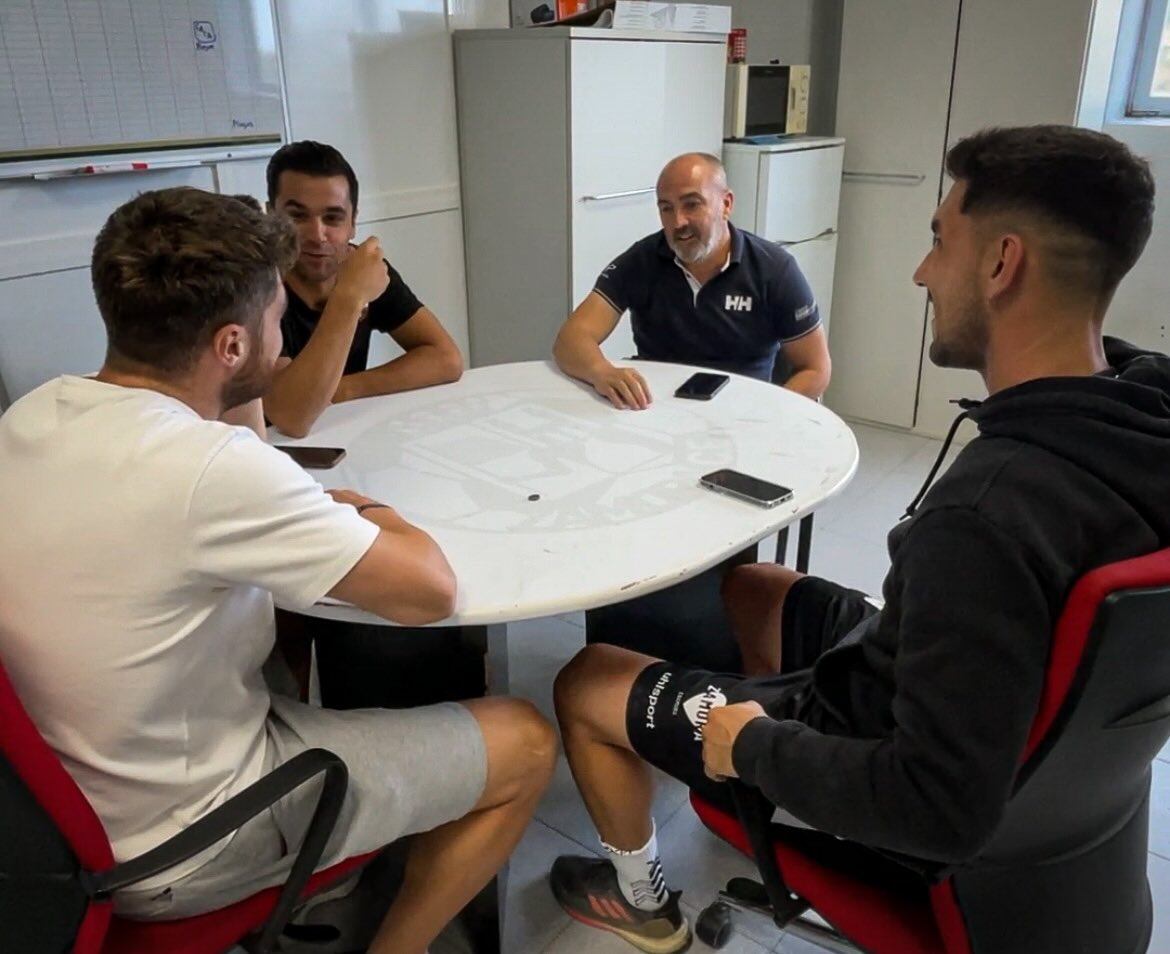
{"type": "Point", "coordinates": [737, 321]}
{"type": "Point", "coordinates": [394, 307]}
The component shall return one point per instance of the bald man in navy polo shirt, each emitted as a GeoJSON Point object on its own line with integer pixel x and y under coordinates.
{"type": "Point", "coordinates": [700, 291]}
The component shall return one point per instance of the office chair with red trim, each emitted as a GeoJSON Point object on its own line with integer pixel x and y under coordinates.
{"type": "Point", "coordinates": [1065, 870]}
{"type": "Point", "coordinates": [57, 870]}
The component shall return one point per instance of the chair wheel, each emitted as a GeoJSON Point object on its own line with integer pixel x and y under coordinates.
{"type": "Point", "coordinates": [713, 926]}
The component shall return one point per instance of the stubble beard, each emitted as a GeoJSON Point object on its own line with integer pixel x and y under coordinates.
{"type": "Point", "coordinates": [964, 345]}
{"type": "Point", "coordinates": [250, 382]}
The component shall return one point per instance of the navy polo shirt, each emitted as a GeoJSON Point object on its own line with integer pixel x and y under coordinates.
{"type": "Point", "coordinates": [737, 321]}
{"type": "Point", "coordinates": [394, 307]}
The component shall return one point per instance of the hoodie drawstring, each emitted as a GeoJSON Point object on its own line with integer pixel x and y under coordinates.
{"type": "Point", "coordinates": [967, 405]}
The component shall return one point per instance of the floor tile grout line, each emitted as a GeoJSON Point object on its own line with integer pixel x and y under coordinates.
{"type": "Point", "coordinates": [568, 836]}
{"type": "Point", "coordinates": [1158, 854]}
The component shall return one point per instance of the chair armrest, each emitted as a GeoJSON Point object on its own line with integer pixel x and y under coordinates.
{"type": "Point", "coordinates": [755, 814]}
{"type": "Point", "coordinates": [232, 815]}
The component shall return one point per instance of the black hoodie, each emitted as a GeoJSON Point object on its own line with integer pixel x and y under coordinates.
{"type": "Point", "coordinates": [914, 725]}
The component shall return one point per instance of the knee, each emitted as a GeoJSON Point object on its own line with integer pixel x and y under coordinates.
{"type": "Point", "coordinates": [754, 586]}
{"type": "Point", "coordinates": [577, 680]}
{"type": "Point", "coordinates": [534, 741]}
{"type": "Point", "coordinates": [739, 583]}
{"type": "Point", "coordinates": [521, 746]}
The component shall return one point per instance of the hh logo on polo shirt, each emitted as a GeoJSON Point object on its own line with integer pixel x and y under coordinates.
{"type": "Point", "coordinates": [738, 303]}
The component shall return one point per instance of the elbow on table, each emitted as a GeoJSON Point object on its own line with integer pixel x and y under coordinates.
{"type": "Point", "coordinates": [451, 366]}
{"type": "Point", "coordinates": [826, 376]}
{"type": "Point", "coordinates": [289, 424]}
{"type": "Point", "coordinates": [431, 603]}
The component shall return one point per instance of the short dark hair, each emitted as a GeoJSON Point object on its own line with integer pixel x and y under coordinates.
{"type": "Point", "coordinates": [1084, 185]}
{"type": "Point", "coordinates": [172, 267]}
{"type": "Point", "coordinates": [313, 159]}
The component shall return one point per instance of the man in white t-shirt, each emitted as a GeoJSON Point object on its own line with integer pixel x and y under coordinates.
{"type": "Point", "coordinates": [137, 573]}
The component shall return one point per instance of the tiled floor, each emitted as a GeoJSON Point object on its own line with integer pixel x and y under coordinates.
{"type": "Point", "coordinates": [848, 546]}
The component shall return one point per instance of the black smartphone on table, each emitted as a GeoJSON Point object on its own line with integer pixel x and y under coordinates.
{"type": "Point", "coordinates": [763, 493]}
{"type": "Point", "coordinates": [314, 458]}
{"type": "Point", "coordinates": [702, 386]}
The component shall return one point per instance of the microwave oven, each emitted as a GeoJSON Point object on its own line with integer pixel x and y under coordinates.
{"type": "Point", "coordinates": [767, 100]}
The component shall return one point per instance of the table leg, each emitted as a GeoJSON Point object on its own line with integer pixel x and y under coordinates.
{"type": "Point", "coordinates": [483, 918]}
{"type": "Point", "coordinates": [804, 544]}
{"type": "Point", "coordinates": [782, 546]}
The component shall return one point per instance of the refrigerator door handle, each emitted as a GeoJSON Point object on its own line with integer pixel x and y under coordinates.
{"type": "Point", "coordinates": [909, 178]}
{"type": "Point", "coordinates": [784, 243]}
{"type": "Point", "coordinates": [615, 195]}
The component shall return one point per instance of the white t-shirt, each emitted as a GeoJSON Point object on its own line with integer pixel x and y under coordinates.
{"type": "Point", "coordinates": [140, 548]}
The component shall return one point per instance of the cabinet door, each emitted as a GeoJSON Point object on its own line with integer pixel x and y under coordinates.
{"type": "Point", "coordinates": [693, 98]}
{"type": "Point", "coordinates": [1050, 71]}
{"type": "Point", "coordinates": [896, 62]}
{"type": "Point", "coordinates": [634, 104]}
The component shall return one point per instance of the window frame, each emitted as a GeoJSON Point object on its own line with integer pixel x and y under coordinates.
{"type": "Point", "coordinates": [1142, 104]}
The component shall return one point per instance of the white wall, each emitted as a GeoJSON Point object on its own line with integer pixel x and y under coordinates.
{"type": "Point", "coordinates": [1139, 312]}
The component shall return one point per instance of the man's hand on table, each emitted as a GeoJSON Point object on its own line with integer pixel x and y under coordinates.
{"type": "Point", "coordinates": [624, 388]}
{"type": "Point", "coordinates": [719, 734]}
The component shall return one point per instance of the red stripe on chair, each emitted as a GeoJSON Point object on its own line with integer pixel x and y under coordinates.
{"type": "Point", "coordinates": [1072, 630]}
{"type": "Point", "coordinates": [877, 919]}
{"type": "Point", "coordinates": [94, 926]}
{"type": "Point", "coordinates": [949, 918]}
{"type": "Point", "coordinates": [216, 931]}
{"type": "Point", "coordinates": [54, 789]}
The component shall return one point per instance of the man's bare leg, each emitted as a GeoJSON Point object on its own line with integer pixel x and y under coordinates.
{"type": "Point", "coordinates": [753, 596]}
{"type": "Point", "coordinates": [591, 693]}
{"type": "Point", "coordinates": [446, 867]}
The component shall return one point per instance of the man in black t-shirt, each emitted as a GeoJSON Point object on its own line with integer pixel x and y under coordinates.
{"type": "Point", "coordinates": [699, 291]}
{"type": "Point", "coordinates": [338, 293]}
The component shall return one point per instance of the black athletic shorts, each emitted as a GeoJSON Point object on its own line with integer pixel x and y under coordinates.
{"type": "Point", "coordinates": [669, 705]}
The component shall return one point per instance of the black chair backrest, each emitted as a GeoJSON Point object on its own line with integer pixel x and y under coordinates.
{"type": "Point", "coordinates": [1066, 870]}
{"type": "Point", "coordinates": [42, 900]}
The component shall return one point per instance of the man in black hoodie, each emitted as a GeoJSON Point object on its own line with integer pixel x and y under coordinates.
{"type": "Point", "coordinates": [902, 728]}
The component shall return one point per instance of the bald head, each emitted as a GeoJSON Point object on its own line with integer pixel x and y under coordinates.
{"type": "Point", "coordinates": [694, 205]}
{"type": "Point", "coordinates": [695, 167]}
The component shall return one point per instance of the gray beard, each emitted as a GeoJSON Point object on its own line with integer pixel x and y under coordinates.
{"type": "Point", "coordinates": [698, 254]}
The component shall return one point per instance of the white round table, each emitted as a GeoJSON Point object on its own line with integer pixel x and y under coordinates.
{"type": "Point", "coordinates": [548, 500]}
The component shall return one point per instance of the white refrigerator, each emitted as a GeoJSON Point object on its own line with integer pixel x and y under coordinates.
{"type": "Point", "coordinates": [789, 192]}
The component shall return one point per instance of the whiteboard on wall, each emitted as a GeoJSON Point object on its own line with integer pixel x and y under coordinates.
{"type": "Point", "coordinates": [101, 79]}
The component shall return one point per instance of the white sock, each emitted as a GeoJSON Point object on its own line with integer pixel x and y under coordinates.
{"type": "Point", "coordinates": [639, 873]}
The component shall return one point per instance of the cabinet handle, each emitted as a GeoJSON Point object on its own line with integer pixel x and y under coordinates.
{"type": "Point", "coordinates": [784, 243]}
{"type": "Point", "coordinates": [909, 178]}
{"type": "Point", "coordinates": [615, 195]}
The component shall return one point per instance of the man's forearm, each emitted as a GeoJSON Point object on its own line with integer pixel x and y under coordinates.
{"type": "Point", "coordinates": [811, 382]}
{"type": "Point", "coordinates": [579, 357]}
{"type": "Point", "coordinates": [419, 367]}
{"type": "Point", "coordinates": [302, 390]}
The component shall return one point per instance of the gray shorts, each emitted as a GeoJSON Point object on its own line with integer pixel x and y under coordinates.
{"type": "Point", "coordinates": [410, 770]}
